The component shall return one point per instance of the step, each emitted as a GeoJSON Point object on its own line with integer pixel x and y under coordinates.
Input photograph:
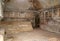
{"type": "Point", "coordinates": [13, 27]}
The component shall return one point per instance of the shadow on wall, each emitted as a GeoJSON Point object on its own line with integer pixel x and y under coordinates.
{"type": "Point", "coordinates": [1, 13]}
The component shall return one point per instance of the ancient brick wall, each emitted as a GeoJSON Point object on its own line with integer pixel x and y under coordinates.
{"type": "Point", "coordinates": [14, 27]}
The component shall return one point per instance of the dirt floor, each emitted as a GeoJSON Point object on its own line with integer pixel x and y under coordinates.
{"type": "Point", "coordinates": [35, 35]}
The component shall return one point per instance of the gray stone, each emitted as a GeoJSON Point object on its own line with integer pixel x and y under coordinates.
{"type": "Point", "coordinates": [52, 27]}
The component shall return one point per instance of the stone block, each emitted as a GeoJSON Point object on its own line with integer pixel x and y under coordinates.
{"type": "Point", "coordinates": [25, 15]}
{"type": "Point", "coordinates": [17, 27]}
{"type": "Point", "coordinates": [52, 27]}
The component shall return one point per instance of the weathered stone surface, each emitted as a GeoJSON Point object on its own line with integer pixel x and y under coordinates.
{"type": "Point", "coordinates": [1, 13]}
{"type": "Point", "coordinates": [36, 35]}
{"type": "Point", "coordinates": [52, 27]}
{"type": "Point", "coordinates": [17, 5]}
{"type": "Point", "coordinates": [18, 16]}
{"type": "Point", "coordinates": [16, 27]}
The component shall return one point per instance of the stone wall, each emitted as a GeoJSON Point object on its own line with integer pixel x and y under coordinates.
{"type": "Point", "coordinates": [19, 15]}
{"type": "Point", "coordinates": [1, 13]}
{"type": "Point", "coordinates": [52, 25]}
{"type": "Point", "coordinates": [16, 27]}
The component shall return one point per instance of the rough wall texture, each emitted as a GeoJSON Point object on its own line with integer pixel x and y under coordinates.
{"type": "Point", "coordinates": [16, 27]}
{"type": "Point", "coordinates": [24, 15]}
{"type": "Point", "coordinates": [25, 4]}
{"type": "Point", "coordinates": [53, 25]}
{"type": "Point", "coordinates": [1, 13]}
{"type": "Point", "coordinates": [17, 5]}
{"type": "Point", "coordinates": [49, 3]}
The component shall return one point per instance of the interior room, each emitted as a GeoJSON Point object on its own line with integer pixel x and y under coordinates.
{"type": "Point", "coordinates": [29, 20]}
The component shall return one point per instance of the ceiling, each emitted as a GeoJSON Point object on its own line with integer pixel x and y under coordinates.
{"type": "Point", "coordinates": [49, 3]}
{"type": "Point", "coordinates": [25, 4]}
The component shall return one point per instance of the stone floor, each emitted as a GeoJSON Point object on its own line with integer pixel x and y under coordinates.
{"type": "Point", "coordinates": [35, 35]}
